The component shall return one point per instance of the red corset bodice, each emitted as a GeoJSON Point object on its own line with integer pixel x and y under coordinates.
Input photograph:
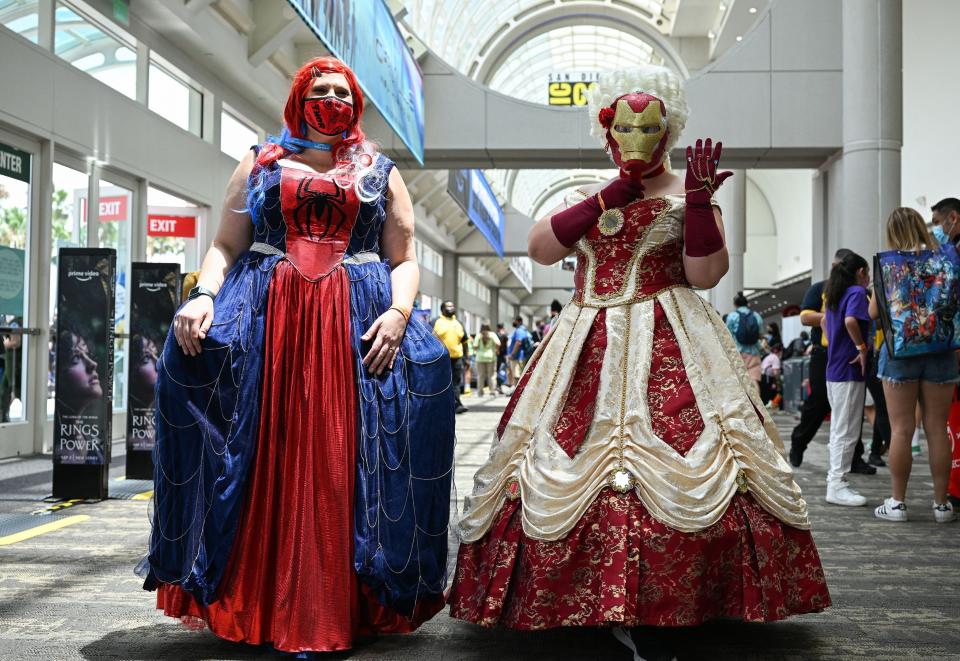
{"type": "Point", "coordinates": [319, 216]}
{"type": "Point", "coordinates": [643, 258]}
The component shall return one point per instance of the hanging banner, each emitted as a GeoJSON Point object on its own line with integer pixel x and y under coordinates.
{"type": "Point", "coordinates": [365, 36]}
{"type": "Point", "coordinates": [469, 188]}
{"type": "Point", "coordinates": [154, 298]}
{"type": "Point", "coordinates": [522, 268]}
{"type": "Point", "coordinates": [84, 345]}
{"type": "Point", "coordinates": [159, 224]}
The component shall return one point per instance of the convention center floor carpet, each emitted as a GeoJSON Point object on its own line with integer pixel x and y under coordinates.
{"type": "Point", "coordinates": [72, 594]}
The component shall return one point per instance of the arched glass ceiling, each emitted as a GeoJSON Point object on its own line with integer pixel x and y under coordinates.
{"type": "Point", "coordinates": [591, 48]}
{"type": "Point", "coordinates": [462, 31]}
{"type": "Point", "coordinates": [534, 192]}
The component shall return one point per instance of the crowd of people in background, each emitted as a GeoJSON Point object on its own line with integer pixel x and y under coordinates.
{"type": "Point", "coordinates": [852, 376]}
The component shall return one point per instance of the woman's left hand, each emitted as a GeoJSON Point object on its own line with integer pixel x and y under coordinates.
{"type": "Point", "coordinates": [386, 333]}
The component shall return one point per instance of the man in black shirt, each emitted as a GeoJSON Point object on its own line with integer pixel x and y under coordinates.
{"type": "Point", "coordinates": [817, 406]}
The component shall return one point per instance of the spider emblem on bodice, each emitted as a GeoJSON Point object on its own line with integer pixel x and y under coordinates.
{"type": "Point", "coordinates": [319, 208]}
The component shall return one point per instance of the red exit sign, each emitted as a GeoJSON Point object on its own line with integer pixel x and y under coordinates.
{"type": "Point", "coordinates": [166, 225]}
{"type": "Point", "coordinates": [112, 208]}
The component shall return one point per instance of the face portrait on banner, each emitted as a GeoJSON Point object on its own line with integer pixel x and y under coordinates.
{"type": "Point", "coordinates": [84, 356]}
{"type": "Point", "coordinates": [153, 302]}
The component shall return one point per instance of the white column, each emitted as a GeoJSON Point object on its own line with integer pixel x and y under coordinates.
{"type": "Point", "coordinates": [732, 198]}
{"type": "Point", "coordinates": [451, 278]}
{"type": "Point", "coordinates": [872, 124]}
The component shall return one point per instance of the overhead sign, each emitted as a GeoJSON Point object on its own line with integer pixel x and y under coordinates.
{"type": "Point", "coordinates": [159, 224]}
{"type": "Point", "coordinates": [14, 163]}
{"type": "Point", "coordinates": [469, 188]}
{"type": "Point", "coordinates": [522, 268]}
{"type": "Point", "coordinates": [365, 37]}
{"type": "Point", "coordinates": [570, 89]}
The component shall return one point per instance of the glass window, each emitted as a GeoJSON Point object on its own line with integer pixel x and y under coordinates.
{"type": "Point", "coordinates": [113, 231]}
{"type": "Point", "coordinates": [172, 225]}
{"type": "Point", "coordinates": [14, 229]}
{"type": "Point", "coordinates": [171, 96]}
{"type": "Point", "coordinates": [68, 230]}
{"type": "Point", "coordinates": [236, 135]}
{"type": "Point", "coordinates": [20, 16]}
{"type": "Point", "coordinates": [105, 53]}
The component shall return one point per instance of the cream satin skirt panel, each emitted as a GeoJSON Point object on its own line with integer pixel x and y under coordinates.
{"type": "Point", "coordinates": [688, 493]}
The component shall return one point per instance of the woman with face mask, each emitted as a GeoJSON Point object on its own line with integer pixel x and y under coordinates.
{"type": "Point", "coordinates": [634, 480]}
{"type": "Point", "coordinates": [305, 421]}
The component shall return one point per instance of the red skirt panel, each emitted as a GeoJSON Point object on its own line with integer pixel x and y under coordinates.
{"type": "Point", "coordinates": [620, 566]}
{"type": "Point", "coordinates": [290, 581]}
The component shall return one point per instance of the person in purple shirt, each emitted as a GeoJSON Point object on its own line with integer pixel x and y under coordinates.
{"type": "Point", "coordinates": [846, 322]}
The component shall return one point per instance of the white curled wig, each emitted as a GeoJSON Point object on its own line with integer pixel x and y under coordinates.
{"type": "Point", "coordinates": [659, 81]}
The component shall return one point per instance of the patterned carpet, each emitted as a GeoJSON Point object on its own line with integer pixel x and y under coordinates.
{"type": "Point", "coordinates": [72, 594]}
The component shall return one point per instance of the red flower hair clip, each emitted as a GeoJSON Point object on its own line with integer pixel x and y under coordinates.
{"type": "Point", "coordinates": [606, 117]}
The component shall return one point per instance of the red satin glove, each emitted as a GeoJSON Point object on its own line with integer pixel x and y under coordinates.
{"type": "Point", "coordinates": [571, 224]}
{"type": "Point", "coordinates": [701, 236]}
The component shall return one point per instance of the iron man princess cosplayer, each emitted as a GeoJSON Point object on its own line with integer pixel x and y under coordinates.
{"type": "Point", "coordinates": [633, 478]}
{"type": "Point", "coordinates": [301, 500]}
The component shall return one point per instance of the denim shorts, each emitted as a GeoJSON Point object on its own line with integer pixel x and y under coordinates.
{"type": "Point", "coordinates": [933, 368]}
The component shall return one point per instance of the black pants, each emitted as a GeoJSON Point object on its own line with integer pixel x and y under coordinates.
{"type": "Point", "coordinates": [456, 365]}
{"type": "Point", "coordinates": [816, 407]}
{"type": "Point", "coordinates": [881, 423]}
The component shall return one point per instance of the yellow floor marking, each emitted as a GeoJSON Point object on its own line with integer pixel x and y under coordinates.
{"type": "Point", "coordinates": [146, 495]}
{"type": "Point", "coordinates": [42, 529]}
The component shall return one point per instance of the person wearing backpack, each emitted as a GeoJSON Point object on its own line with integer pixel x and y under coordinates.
{"type": "Point", "coordinates": [745, 325]}
{"type": "Point", "coordinates": [929, 378]}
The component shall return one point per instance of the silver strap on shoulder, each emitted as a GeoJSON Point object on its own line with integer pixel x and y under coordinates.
{"type": "Point", "coordinates": [265, 249]}
{"type": "Point", "coordinates": [362, 258]}
{"type": "Point", "coordinates": [357, 258]}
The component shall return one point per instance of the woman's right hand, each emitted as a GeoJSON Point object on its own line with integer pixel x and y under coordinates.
{"type": "Point", "coordinates": [191, 324]}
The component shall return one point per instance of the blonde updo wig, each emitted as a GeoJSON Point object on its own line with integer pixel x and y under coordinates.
{"type": "Point", "coordinates": [658, 81]}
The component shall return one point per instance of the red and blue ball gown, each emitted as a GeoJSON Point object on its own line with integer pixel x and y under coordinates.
{"type": "Point", "coordinates": [632, 479]}
{"type": "Point", "coordinates": [299, 500]}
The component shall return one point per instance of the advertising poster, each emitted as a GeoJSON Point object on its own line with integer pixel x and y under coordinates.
{"type": "Point", "coordinates": [84, 346]}
{"type": "Point", "coordinates": [154, 297]}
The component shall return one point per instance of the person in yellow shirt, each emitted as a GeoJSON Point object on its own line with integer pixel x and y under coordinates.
{"type": "Point", "coordinates": [451, 333]}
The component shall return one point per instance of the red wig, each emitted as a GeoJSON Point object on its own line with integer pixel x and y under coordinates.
{"type": "Point", "coordinates": [293, 111]}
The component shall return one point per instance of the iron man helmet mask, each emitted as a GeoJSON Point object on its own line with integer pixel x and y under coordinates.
{"type": "Point", "coordinates": [637, 131]}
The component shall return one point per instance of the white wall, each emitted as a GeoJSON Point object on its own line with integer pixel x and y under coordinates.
{"type": "Point", "coordinates": [931, 103]}
{"type": "Point", "coordinates": [789, 196]}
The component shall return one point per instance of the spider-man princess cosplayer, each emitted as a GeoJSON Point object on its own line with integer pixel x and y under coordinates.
{"type": "Point", "coordinates": [304, 419]}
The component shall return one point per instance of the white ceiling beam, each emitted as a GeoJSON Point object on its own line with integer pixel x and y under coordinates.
{"type": "Point", "coordinates": [274, 26]}
{"type": "Point", "coordinates": [197, 5]}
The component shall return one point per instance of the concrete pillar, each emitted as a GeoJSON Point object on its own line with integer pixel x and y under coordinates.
{"type": "Point", "coordinates": [872, 124]}
{"type": "Point", "coordinates": [451, 278]}
{"type": "Point", "coordinates": [732, 198]}
{"type": "Point", "coordinates": [494, 306]}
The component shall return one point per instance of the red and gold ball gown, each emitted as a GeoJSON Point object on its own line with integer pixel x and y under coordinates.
{"type": "Point", "coordinates": [633, 478]}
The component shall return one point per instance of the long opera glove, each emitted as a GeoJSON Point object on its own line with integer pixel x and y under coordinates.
{"type": "Point", "coordinates": [571, 224]}
{"type": "Point", "coordinates": [701, 236]}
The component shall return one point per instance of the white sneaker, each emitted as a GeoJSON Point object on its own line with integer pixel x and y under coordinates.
{"type": "Point", "coordinates": [842, 494]}
{"type": "Point", "coordinates": [943, 512]}
{"type": "Point", "coordinates": [891, 510]}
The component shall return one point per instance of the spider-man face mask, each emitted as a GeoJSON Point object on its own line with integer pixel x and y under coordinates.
{"type": "Point", "coordinates": [328, 115]}
{"type": "Point", "coordinates": [636, 132]}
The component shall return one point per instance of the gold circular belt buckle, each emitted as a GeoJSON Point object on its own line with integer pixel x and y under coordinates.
{"type": "Point", "coordinates": [611, 220]}
{"type": "Point", "coordinates": [621, 480]}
